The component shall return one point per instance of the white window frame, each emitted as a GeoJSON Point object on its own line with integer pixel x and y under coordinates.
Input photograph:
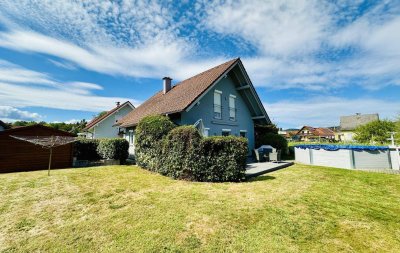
{"type": "Point", "coordinates": [232, 107]}
{"type": "Point", "coordinates": [131, 137]}
{"type": "Point", "coordinates": [217, 108]}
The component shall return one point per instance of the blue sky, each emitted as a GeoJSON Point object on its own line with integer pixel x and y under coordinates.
{"type": "Point", "coordinates": [311, 61]}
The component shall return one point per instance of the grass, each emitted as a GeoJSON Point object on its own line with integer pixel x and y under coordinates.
{"type": "Point", "coordinates": [127, 209]}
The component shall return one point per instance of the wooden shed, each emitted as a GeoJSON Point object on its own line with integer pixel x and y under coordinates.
{"type": "Point", "coordinates": [17, 155]}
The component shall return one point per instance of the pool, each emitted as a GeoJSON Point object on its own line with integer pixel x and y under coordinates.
{"type": "Point", "coordinates": [348, 156]}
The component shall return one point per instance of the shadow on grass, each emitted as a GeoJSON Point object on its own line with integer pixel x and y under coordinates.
{"type": "Point", "coordinates": [260, 178]}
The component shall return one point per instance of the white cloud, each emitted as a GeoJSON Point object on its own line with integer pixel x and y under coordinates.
{"type": "Point", "coordinates": [283, 28]}
{"type": "Point", "coordinates": [326, 111]}
{"type": "Point", "coordinates": [38, 89]}
{"type": "Point", "coordinates": [11, 114]}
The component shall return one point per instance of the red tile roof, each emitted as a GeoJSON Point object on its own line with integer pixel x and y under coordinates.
{"type": "Point", "coordinates": [94, 121]}
{"type": "Point", "coordinates": [179, 97]}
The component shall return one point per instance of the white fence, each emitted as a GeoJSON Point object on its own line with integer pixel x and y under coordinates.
{"type": "Point", "coordinates": [350, 158]}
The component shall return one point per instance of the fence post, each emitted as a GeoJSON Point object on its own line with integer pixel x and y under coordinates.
{"type": "Point", "coordinates": [352, 162]}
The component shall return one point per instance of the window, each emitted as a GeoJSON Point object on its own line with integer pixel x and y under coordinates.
{"type": "Point", "coordinates": [226, 132]}
{"type": "Point", "coordinates": [206, 132]}
{"type": "Point", "coordinates": [243, 133]}
{"type": "Point", "coordinates": [217, 104]}
{"type": "Point", "coordinates": [232, 107]}
{"type": "Point", "coordinates": [131, 137]}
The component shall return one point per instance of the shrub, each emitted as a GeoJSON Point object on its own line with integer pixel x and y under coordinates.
{"type": "Point", "coordinates": [180, 155]}
{"type": "Point", "coordinates": [222, 159]}
{"type": "Point", "coordinates": [113, 149]}
{"type": "Point", "coordinates": [275, 140]}
{"type": "Point", "coordinates": [86, 149]}
{"type": "Point", "coordinates": [148, 145]}
{"type": "Point", "coordinates": [375, 131]}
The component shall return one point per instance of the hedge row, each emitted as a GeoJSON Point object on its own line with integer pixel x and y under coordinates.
{"type": "Point", "coordinates": [96, 149]}
{"type": "Point", "coordinates": [182, 153]}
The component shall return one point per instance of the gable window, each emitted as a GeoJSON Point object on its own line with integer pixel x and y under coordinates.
{"type": "Point", "coordinates": [226, 132]}
{"type": "Point", "coordinates": [243, 133]}
{"type": "Point", "coordinates": [232, 107]}
{"type": "Point", "coordinates": [217, 104]}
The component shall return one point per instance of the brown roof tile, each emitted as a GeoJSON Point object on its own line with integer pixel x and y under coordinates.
{"type": "Point", "coordinates": [179, 97]}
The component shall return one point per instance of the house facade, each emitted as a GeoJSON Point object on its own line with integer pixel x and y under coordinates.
{"type": "Point", "coordinates": [308, 133]}
{"type": "Point", "coordinates": [104, 126]}
{"type": "Point", "coordinates": [219, 101]}
{"type": "Point", "coordinates": [349, 123]}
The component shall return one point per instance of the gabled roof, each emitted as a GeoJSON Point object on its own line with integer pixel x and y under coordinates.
{"type": "Point", "coordinates": [182, 95]}
{"type": "Point", "coordinates": [97, 120]}
{"type": "Point", "coordinates": [352, 122]}
{"type": "Point", "coordinates": [316, 131]}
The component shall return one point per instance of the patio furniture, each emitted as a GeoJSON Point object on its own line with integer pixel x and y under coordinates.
{"type": "Point", "coordinates": [259, 155]}
{"type": "Point", "coordinates": [275, 156]}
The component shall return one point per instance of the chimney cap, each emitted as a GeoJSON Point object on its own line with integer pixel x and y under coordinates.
{"type": "Point", "coordinates": [166, 77]}
{"type": "Point", "coordinates": [118, 103]}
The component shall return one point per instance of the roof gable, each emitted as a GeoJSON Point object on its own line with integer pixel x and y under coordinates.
{"type": "Point", "coordinates": [182, 95]}
{"type": "Point", "coordinates": [353, 121]}
{"type": "Point", "coordinates": [97, 120]}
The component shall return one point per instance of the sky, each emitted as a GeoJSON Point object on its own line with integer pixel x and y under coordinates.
{"type": "Point", "coordinates": [310, 61]}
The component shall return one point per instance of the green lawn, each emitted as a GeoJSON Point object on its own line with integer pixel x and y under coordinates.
{"type": "Point", "coordinates": [125, 208]}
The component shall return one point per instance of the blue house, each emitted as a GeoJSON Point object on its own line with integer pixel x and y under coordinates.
{"type": "Point", "coordinates": [219, 101]}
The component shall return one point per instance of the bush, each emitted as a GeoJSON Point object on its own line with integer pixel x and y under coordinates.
{"type": "Point", "coordinates": [86, 149]}
{"type": "Point", "coordinates": [377, 131]}
{"type": "Point", "coordinates": [275, 140]}
{"type": "Point", "coordinates": [180, 155]}
{"type": "Point", "coordinates": [222, 159]}
{"type": "Point", "coordinates": [149, 138]}
{"type": "Point", "coordinates": [113, 149]}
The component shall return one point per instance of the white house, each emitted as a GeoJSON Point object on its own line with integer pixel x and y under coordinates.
{"type": "Point", "coordinates": [104, 126]}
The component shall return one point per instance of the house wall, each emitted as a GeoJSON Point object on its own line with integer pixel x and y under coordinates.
{"type": "Point", "coordinates": [205, 111]}
{"type": "Point", "coordinates": [105, 128]}
{"type": "Point", "coordinates": [1, 128]}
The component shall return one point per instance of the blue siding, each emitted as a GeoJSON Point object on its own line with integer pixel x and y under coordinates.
{"type": "Point", "coordinates": [205, 111]}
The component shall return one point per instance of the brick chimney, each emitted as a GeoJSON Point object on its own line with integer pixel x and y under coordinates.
{"type": "Point", "coordinates": [166, 84]}
{"type": "Point", "coordinates": [118, 104]}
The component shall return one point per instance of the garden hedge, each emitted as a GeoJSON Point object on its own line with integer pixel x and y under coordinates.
{"type": "Point", "coordinates": [149, 139]}
{"type": "Point", "coordinates": [113, 149]}
{"type": "Point", "coordinates": [182, 153]}
{"type": "Point", "coordinates": [96, 149]}
{"type": "Point", "coordinates": [224, 159]}
{"type": "Point", "coordinates": [86, 149]}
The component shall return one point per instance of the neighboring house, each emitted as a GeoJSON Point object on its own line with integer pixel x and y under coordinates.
{"type": "Point", "coordinates": [219, 101]}
{"type": "Point", "coordinates": [308, 133]}
{"type": "Point", "coordinates": [3, 126]}
{"type": "Point", "coordinates": [288, 133]}
{"type": "Point", "coordinates": [104, 126]}
{"type": "Point", "coordinates": [349, 123]}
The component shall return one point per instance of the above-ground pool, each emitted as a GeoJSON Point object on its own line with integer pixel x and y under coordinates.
{"type": "Point", "coordinates": [348, 156]}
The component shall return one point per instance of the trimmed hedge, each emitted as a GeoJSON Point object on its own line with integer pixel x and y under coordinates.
{"type": "Point", "coordinates": [86, 149]}
{"type": "Point", "coordinates": [149, 139]}
{"type": "Point", "coordinates": [224, 159]}
{"type": "Point", "coordinates": [96, 149]}
{"type": "Point", "coordinates": [182, 153]}
{"type": "Point", "coordinates": [113, 149]}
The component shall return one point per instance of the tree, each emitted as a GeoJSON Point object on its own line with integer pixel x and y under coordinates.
{"type": "Point", "coordinates": [397, 130]}
{"type": "Point", "coordinates": [375, 132]}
